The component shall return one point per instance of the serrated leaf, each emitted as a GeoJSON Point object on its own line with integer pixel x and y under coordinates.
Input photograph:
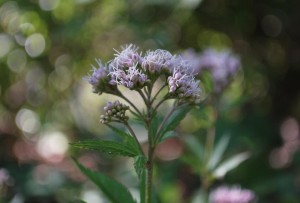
{"type": "Point", "coordinates": [115, 191]}
{"type": "Point", "coordinates": [108, 147]}
{"type": "Point", "coordinates": [127, 139]}
{"type": "Point", "coordinates": [139, 165]}
{"type": "Point", "coordinates": [166, 136]}
{"type": "Point", "coordinates": [218, 151]}
{"type": "Point", "coordinates": [175, 119]}
{"type": "Point", "coordinates": [230, 164]}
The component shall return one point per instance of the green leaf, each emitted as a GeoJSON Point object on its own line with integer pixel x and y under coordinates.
{"type": "Point", "coordinates": [114, 191]}
{"type": "Point", "coordinates": [154, 125]}
{"type": "Point", "coordinates": [139, 165]}
{"type": "Point", "coordinates": [78, 201]}
{"type": "Point", "coordinates": [166, 136]}
{"type": "Point", "coordinates": [127, 139]}
{"type": "Point", "coordinates": [175, 119]}
{"type": "Point", "coordinates": [230, 164]}
{"type": "Point", "coordinates": [108, 147]}
{"type": "Point", "coordinates": [195, 146]}
{"type": "Point", "coordinates": [218, 152]}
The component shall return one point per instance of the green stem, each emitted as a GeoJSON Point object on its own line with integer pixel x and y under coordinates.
{"type": "Point", "coordinates": [131, 104]}
{"type": "Point", "coordinates": [159, 134]}
{"type": "Point", "coordinates": [159, 103]}
{"type": "Point", "coordinates": [209, 145]}
{"type": "Point", "coordinates": [143, 96]}
{"type": "Point", "coordinates": [149, 174]}
{"type": "Point", "coordinates": [134, 136]}
{"type": "Point", "coordinates": [157, 93]}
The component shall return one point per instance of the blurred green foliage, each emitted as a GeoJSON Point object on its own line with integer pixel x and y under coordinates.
{"type": "Point", "coordinates": [47, 46]}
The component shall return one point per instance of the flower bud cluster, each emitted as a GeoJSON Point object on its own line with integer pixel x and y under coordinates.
{"type": "Point", "coordinates": [114, 111]}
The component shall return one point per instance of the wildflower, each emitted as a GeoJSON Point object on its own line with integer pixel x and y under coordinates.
{"type": "Point", "coordinates": [193, 58]}
{"type": "Point", "coordinates": [222, 66]}
{"type": "Point", "coordinates": [131, 78]}
{"type": "Point", "coordinates": [158, 61]}
{"type": "Point", "coordinates": [128, 57]}
{"type": "Point", "coordinates": [114, 112]}
{"type": "Point", "coordinates": [234, 194]}
{"type": "Point", "coordinates": [100, 79]}
{"type": "Point", "coordinates": [184, 86]}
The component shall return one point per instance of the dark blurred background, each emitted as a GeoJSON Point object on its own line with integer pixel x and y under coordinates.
{"type": "Point", "coordinates": [47, 46]}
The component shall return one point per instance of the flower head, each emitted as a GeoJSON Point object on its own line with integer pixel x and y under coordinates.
{"type": "Point", "coordinates": [234, 194]}
{"type": "Point", "coordinates": [114, 111]}
{"type": "Point", "coordinates": [194, 60]}
{"type": "Point", "coordinates": [132, 78]}
{"type": "Point", "coordinates": [128, 57]}
{"type": "Point", "coordinates": [158, 61]}
{"type": "Point", "coordinates": [183, 85]}
{"type": "Point", "coordinates": [100, 79]}
{"type": "Point", "coordinates": [222, 65]}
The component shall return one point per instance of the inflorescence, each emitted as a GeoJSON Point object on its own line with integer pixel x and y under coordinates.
{"type": "Point", "coordinates": [222, 65]}
{"type": "Point", "coordinates": [114, 111]}
{"type": "Point", "coordinates": [233, 194]}
{"type": "Point", "coordinates": [134, 71]}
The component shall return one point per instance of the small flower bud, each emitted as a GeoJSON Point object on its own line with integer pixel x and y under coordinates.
{"type": "Point", "coordinates": [114, 111]}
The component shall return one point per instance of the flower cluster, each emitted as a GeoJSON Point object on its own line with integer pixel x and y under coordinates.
{"type": "Point", "coordinates": [100, 79]}
{"type": "Point", "coordinates": [184, 86]}
{"type": "Point", "coordinates": [222, 65]}
{"type": "Point", "coordinates": [114, 111]}
{"type": "Point", "coordinates": [234, 194]}
{"type": "Point", "coordinates": [158, 61]}
{"type": "Point", "coordinates": [134, 71]}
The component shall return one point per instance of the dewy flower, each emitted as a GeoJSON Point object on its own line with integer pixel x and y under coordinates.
{"type": "Point", "coordinates": [114, 112]}
{"type": "Point", "coordinates": [158, 61]}
{"type": "Point", "coordinates": [234, 194]}
{"type": "Point", "coordinates": [99, 79]}
{"type": "Point", "coordinates": [222, 65]}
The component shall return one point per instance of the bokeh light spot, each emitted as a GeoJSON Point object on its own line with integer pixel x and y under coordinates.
{"type": "Point", "coordinates": [48, 5]}
{"type": "Point", "coordinates": [27, 121]}
{"type": "Point", "coordinates": [52, 146]}
{"type": "Point", "coordinates": [17, 60]}
{"type": "Point", "coordinates": [6, 44]}
{"type": "Point", "coordinates": [271, 25]}
{"type": "Point", "coordinates": [35, 45]}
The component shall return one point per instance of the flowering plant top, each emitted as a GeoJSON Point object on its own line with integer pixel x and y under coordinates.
{"type": "Point", "coordinates": [132, 70]}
